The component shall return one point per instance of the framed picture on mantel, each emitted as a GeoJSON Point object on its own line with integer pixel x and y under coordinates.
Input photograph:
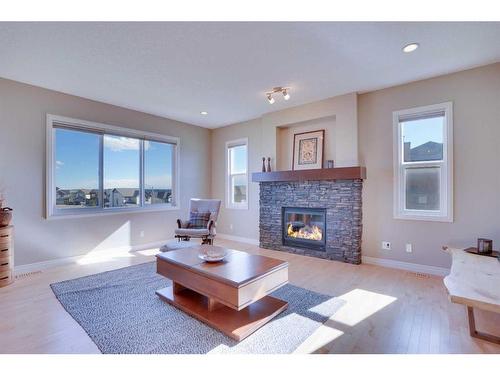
{"type": "Point", "coordinates": [308, 150]}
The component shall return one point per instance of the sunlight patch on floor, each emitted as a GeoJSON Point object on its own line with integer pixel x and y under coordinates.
{"type": "Point", "coordinates": [109, 255]}
{"type": "Point", "coordinates": [104, 256]}
{"type": "Point", "coordinates": [356, 306]}
{"type": "Point", "coordinates": [360, 304]}
{"type": "Point", "coordinates": [321, 337]}
{"type": "Point", "coordinates": [148, 252]}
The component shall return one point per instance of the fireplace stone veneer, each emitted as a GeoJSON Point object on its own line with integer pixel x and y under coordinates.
{"type": "Point", "coordinates": [340, 198]}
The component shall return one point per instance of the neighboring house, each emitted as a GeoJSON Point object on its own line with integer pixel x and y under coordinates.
{"type": "Point", "coordinates": [240, 193]}
{"type": "Point", "coordinates": [61, 196]}
{"type": "Point", "coordinates": [130, 196]}
{"type": "Point", "coordinates": [91, 197]}
{"type": "Point", "coordinates": [113, 198]}
{"type": "Point", "coordinates": [154, 196]}
{"type": "Point", "coordinates": [76, 197]}
{"type": "Point", "coordinates": [426, 151]}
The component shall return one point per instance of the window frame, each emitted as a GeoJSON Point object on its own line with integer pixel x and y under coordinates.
{"type": "Point", "coordinates": [445, 213]}
{"type": "Point", "coordinates": [228, 190]}
{"type": "Point", "coordinates": [55, 121]}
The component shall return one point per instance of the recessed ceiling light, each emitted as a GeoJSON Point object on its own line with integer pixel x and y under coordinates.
{"type": "Point", "coordinates": [410, 47]}
{"type": "Point", "coordinates": [204, 113]}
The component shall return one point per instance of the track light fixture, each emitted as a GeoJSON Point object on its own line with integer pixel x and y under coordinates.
{"type": "Point", "coordinates": [286, 95]}
{"type": "Point", "coordinates": [282, 90]}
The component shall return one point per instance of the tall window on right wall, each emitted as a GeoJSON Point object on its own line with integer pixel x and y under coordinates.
{"type": "Point", "coordinates": [423, 163]}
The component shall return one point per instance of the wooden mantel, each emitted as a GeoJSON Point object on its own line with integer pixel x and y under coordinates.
{"type": "Point", "coordinates": [346, 173]}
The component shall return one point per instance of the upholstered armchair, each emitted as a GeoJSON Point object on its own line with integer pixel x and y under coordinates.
{"type": "Point", "coordinates": [202, 221]}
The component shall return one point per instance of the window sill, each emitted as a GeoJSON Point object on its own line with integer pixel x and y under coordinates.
{"type": "Point", "coordinates": [107, 212]}
{"type": "Point", "coordinates": [231, 207]}
{"type": "Point", "coordinates": [423, 217]}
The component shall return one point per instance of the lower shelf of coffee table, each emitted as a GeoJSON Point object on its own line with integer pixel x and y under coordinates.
{"type": "Point", "coordinates": [235, 324]}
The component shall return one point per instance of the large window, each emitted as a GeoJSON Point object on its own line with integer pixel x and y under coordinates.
{"type": "Point", "coordinates": [96, 168]}
{"type": "Point", "coordinates": [237, 174]}
{"type": "Point", "coordinates": [423, 166]}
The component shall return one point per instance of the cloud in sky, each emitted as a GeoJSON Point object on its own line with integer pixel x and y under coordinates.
{"type": "Point", "coordinates": [118, 144]}
{"type": "Point", "coordinates": [121, 183]}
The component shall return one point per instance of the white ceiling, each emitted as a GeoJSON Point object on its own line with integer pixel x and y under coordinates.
{"type": "Point", "coordinates": [176, 70]}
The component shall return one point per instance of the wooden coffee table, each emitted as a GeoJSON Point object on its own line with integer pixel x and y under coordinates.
{"type": "Point", "coordinates": [230, 296]}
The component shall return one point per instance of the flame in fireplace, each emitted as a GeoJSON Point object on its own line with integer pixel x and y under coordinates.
{"type": "Point", "coordinates": [308, 232]}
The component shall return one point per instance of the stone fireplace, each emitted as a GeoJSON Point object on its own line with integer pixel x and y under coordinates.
{"type": "Point", "coordinates": [319, 217]}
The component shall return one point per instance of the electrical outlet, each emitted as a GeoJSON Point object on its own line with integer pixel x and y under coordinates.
{"type": "Point", "coordinates": [386, 245]}
{"type": "Point", "coordinates": [141, 233]}
{"type": "Point", "coordinates": [409, 248]}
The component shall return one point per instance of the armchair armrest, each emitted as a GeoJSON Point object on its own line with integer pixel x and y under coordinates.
{"type": "Point", "coordinates": [210, 225]}
{"type": "Point", "coordinates": [182, 223]}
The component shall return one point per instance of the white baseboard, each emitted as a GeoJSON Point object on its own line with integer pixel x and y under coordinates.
{"type": "Point", "coordinates": [413, 267]}
{"type": "Point", "coordinates": [39, 266]}
{"type": "Point", "coordinates": [251, 241]}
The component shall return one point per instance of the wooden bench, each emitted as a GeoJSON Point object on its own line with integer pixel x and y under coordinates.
{"type": "Point", "coordinates": [474, 281]}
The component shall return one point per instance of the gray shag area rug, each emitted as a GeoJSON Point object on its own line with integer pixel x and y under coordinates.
{"type": "Point", "coordinates": [121, 313]}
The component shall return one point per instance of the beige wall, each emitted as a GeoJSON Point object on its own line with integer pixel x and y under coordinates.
{"type": "Point", "coordinates": [476, 97]}
{"type": "Point", "coordinates": [476, 112]}
{"type": "Point", "coordinates": [270, 136]}
{"type": "Point", "coordinates": [343, 108]}
{"type": "Point", "coordinates": [237, 222]}
{"type": "Point", "coordinates": [285, 139]}
{"type": "Point", "coordinates": [23, 110]}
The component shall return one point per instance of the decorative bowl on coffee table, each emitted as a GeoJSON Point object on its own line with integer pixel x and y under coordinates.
{"type": "Point", "coordinates": [212, 254]}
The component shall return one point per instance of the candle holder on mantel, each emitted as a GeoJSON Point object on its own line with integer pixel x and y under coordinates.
{"type": "Point", "coordinates": [263, 164]}
{"type": "Point", "coordinates": [268, 164]}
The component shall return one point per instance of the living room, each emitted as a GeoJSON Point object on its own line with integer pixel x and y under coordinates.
{"type": "Point", "coordinates": [249, 188]}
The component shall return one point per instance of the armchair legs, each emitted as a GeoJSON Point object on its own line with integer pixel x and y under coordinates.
{"type": "Point", "coordinates": [205, 240]}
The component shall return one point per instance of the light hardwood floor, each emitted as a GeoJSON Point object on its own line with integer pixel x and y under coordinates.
{"type": "Point", "coordinates": [385, 310]}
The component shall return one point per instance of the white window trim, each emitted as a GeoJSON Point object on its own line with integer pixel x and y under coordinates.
{"type": "Point", "coordinates": [229, 204]}
{"type": "Point", "coordinates": [52, 212]}
{"type": "Point", "coordinates": [445, 214]}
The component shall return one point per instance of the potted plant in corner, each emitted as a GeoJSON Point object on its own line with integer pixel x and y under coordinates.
{"type": "Point", "coordinates": [5, 212]}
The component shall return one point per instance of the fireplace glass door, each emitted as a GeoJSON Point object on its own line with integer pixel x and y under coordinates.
{"type": "Point", "coordinates": [304, 227]}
